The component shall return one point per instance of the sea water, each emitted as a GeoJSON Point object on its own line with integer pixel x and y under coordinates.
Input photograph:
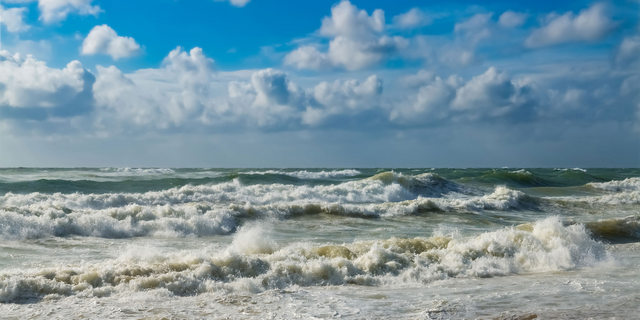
{"type": "Point", "coordinates": [319, 243]}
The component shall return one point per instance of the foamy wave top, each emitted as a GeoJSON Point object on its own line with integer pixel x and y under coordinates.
{"type": "Point", "coordinates": [628, 184]}
{"type": "Point", "coordinates": [305, 174]}
{"type": "Point", "coordinates": [253, 264]}
{"type": "Point", "coordinates": [219, 209]}
{"type": "Point", "coordinates": [138, 171]}
{"type": "Point", "coordinates": [572, 169]}
{"type": "Point", "coordinates": [122, 222]}
{"type": "Point", "coordinates": [388, 187]}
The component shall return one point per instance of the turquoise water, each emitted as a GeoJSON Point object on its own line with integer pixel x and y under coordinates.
{"type": "Point", "coordinates": [303, 243]}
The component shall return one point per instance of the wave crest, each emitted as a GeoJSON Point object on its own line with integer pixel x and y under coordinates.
{"type": "Point", "coordinates": [628, 184]}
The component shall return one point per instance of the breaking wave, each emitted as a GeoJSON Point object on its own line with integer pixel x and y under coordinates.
{"type": "Point", "coordinates": [571, 169]}
{"type": "Point", "coordinates": [253, 263]}
{"type": "Point", "coordinates": [306, 174]}
{"type": "Point", "coordinates": [628, 184]}
{"type": "Point", "coordinates": [219, 209]}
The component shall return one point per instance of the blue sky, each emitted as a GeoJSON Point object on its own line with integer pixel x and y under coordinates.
{"type": "Point", "coordinates": [320, 83]}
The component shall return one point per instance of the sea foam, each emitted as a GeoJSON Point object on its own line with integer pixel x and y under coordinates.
{"type": "Point", "coordinates": [543, 246]}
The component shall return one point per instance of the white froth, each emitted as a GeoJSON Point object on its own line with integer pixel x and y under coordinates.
{"type": "Point", "coordinates": [252, 239]}
{"type": "Point", "coordinates": [251, 263]}
{"type": "Point", "coordinates": [124, 222]}
{"type": "Point", "coordinates": [305, 174]}
{"type": "Point", "coordinates": [628, 184]}
{"type": "Point", "coordinates": [219, 208]}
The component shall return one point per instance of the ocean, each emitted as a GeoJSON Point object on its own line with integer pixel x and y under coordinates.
{"type": "Point", "coordinates": [127, 243]}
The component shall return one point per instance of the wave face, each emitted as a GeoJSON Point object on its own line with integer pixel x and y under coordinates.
{"type": "Point", "coordinates": [253, 263]}
{"type": "Point", "coordinates": [625, 229]}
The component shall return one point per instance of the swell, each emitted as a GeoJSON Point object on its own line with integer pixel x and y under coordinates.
{"type": "Point", "coordinates": [309, 174]}
{"type": "Point", "coordinates": [88, 180]}
{"type": "Point", "coordinates": [254, 263]}
{"type": "Point", "coordinates": [92, 186]}
{"type": "Point", "coordinates": [525, 178]}
{"type": "Point", "coordinates": [616, 230]}
{"type": "Point", "coordinates": [142, 180]}
{"type": "Point", "coordinates": [518, 178]}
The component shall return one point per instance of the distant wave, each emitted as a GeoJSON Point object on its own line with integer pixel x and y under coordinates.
{"type": "Point", "coordinates": [255, 263]}
{"type": "Point", "coordinates": [521, 178]}
{"type": "Point", "coordinates": [306, 174]}
{"type": "Point", "coordinates": [424, 184]}
{"type": "Point", "coordinates": [137, 171]}
{"type": "Point", "coordinates": [39, 178]}
{"type": "Point", "coordinates": [569, 169]}
{"type": "Point", "coordinates": [524, 178]}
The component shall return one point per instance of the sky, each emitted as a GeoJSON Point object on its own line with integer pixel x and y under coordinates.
{"type": "Point", "coordinates": [260, 83]}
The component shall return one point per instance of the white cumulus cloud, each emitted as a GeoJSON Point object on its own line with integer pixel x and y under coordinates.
{"type": "Point", "coordinates": [488, 95]}
{"type": "Point", "coordinates": [13, 19]}
{"type": "Point", "coordinates": [589, 25]}
{"type": "Point", "coordinates": [475, 28]}
{"type": "Point", "coordinates": [28, 83]}
{"type": "Point", "coordinates": [413, 18]}
{"type": "Point", "coordinates": [236, 3]}
{"type": "Point", "coordinates": [186, 93]}
{"type": "Point", "coordinates": [628, 53]}
{"type": "Point", "coordinates": [174, 95]}
{"type": "Point", "coordinates": [239, 3]}
{"type": "Point", "coordinates": [57, 10]}
{"type": "Point", "coordinates": [104, 40]}
{"type": "Point", "coordinates": [338, 98]}
{"type": "Point", "coordinates": [308, 57]}
{"type": "Point", "coordinates": [271, 98]}
{"type": "Point", "coordinates": [357, 41]}
{"type": "Point", "coordinates": [511, 19]}
{"type": "Point", "coordinates": [492, 90]}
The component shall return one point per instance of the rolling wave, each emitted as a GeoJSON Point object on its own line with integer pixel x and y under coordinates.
{"type": "Point", "coordinates": [254, 263]}
{"type": "Point", "coordinates": [199, 211]}
{"type": "Point", "coordinates": [625, 229]}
